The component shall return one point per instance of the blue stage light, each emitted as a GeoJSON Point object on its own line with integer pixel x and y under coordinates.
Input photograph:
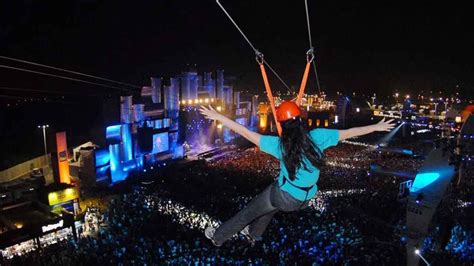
{"type": "Point", "coordinates": [423, 180]}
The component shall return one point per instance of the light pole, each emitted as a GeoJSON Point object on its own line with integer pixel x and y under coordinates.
{"type": "Point", "coordinates": [44, 127]}
{"type": "Point", "coordinates": [417, 252]}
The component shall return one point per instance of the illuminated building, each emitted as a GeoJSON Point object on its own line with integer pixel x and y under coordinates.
{"type": "Point", "coordinates": [171, 98]}
{"type": "Point", "coordinates": [126, 115]}
{"type": "Point", "coordinates": [208, 85]}
{"type": "Point", "coordinates": [220, 94]}
{"type": "Point", "coordinates": [155, 90]}
{"type": "Point", "coordinates": [227, 95]}
{"type": "Point", "coordinates": [237, 98]}
{"type": "Point", "coordinates": [189, 86]}
{"type": "Point", "coordinates": [254, 105]}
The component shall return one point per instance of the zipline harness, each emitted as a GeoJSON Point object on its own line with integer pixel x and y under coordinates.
{"type": "Point", "coordinates": [262, 63]}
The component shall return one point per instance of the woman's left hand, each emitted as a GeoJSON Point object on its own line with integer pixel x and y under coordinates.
{"type": "Point", "coordinates": [209, 112]}
{"type": "Point", "coordinates": [383, 125]}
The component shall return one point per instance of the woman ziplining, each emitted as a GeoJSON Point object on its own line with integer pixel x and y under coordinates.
{"type": "Point", "coordinates": [300, 154]}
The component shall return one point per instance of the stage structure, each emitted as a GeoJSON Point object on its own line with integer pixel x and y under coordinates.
{"type": "Point", "coordinates": [147, 131]}
{"type": "Point", "coordinates": [199, 133]}
{"type": "Point", "coordinates": [153, 126]}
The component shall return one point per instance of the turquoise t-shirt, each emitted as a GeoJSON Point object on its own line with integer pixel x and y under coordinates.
{"type": "Point", "coordinates": [323, 138]}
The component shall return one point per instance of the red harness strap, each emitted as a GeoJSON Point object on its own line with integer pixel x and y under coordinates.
{"type": "Point", "coordinates": [270, 96]}
{"type": "Point", "coordinates": [309, 60]}
{"type": "Point", "coordinates": [303, 83]}
{"type": "Point", "coordinates": [310, 57]}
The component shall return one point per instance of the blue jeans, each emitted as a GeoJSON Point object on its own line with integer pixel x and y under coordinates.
{"type": "Point", "coordinates": [258, 213]}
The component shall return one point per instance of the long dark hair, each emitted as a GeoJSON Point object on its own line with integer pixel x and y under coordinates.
{"type": "Point", "coordinates": [296, 145]}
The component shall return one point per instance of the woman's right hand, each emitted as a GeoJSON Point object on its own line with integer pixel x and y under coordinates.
{"type": "Point", "coordinates": [209, 113]}
{"type": "Point", "coordinates": [383, 125]}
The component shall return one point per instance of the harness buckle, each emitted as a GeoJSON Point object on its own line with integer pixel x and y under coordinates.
{"type": "Point", "coordinates": [259, 57]}
{"type": "Point", "coordinates": [310, 55]}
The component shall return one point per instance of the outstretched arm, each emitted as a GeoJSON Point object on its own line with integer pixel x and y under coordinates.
{"type": "Point", "coordinates": [359, 131]}
{"type": "Point", "coordinates": [210, 113]}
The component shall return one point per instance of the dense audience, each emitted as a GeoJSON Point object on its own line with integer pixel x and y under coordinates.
{"type": "Point", "coordinates": [355, 219]}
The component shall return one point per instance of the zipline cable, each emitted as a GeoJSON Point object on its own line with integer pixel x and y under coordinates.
{"type": "Point", "coordinates": [257, 52]}
{"type": "Point", "coordinates": [67, 78]}
{"type": "Point", "coordinates": [25, 97]}
{"type": "Point", "coordinates": [278, 76]}
{"type": "Point", "coordinates": [311, 45]}
{"type": "Point", "coordinates": [238, 28]}
{"type": "Point", "coordinates": [69, 71]}
{"type": "Point", "coordinates": [12, 96]}
{"type": "Point", "coordinates": [316, 75]}
{"type": "Point", "coordinates": [307, 22]}
{"type": "Point", "coordinates": [49, 91]}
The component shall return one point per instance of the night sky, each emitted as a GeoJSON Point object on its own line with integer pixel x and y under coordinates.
{"type": "Point", "coordinates": [360, 47]}
{"type": "Point", "coordinates": [364, 47]}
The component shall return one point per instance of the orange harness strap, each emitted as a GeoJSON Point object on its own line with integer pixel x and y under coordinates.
{"type": "Point", "coordinates": [309, 60]}
{"type": "Point", "coordinates": [270, 96]}
{"type": "Point", "coordinates": [303, 83]}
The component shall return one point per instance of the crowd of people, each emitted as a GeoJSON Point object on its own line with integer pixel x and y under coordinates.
{"type": "Point", "coordinates": [355, 219]}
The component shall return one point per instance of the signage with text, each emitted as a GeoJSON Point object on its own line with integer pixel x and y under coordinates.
{"type": "Point", "coordinates": [51, 227]}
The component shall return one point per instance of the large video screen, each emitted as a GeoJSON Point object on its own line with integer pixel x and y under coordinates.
{"type": "Point", "coordinates": [160, 142]}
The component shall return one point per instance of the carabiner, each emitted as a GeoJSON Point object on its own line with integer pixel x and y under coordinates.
{"type": "Point", "coordinates": [259, 57]}
{"type": "Point", "coordinates": [310, 55]}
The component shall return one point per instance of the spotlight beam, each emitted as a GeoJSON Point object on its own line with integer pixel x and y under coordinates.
{"type": "Point", "coordinates": [387, 138]}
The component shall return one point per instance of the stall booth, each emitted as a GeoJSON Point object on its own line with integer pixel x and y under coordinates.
{"type": "Point", "coordinates": [32, 222]}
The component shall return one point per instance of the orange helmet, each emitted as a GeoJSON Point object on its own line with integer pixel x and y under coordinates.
{"type": "Point", "coordinates": [287, 110]}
